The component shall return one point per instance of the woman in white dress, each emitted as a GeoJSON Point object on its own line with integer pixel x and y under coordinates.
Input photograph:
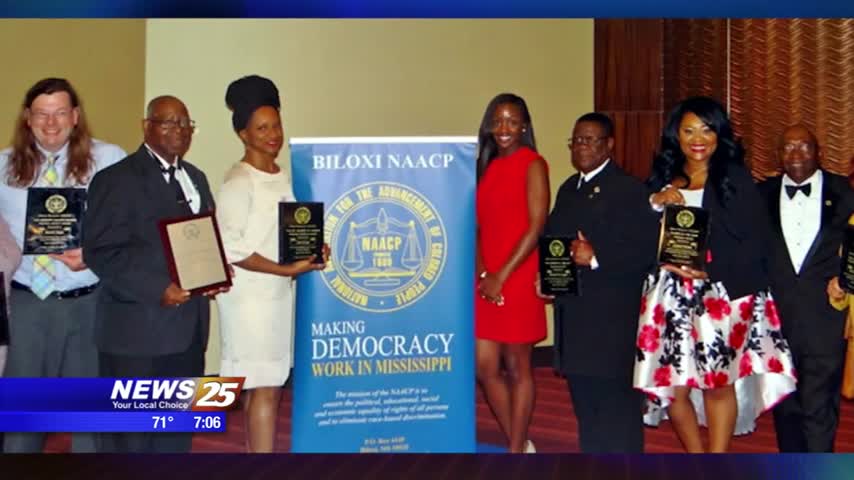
{"type": "Point", "coordinates": [256, 314]}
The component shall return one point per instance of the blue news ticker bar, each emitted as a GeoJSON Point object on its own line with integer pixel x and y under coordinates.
{"type": "Point", "coordinates": [431, 9]}
{"type": "Point", "coordinates": [151, 422]}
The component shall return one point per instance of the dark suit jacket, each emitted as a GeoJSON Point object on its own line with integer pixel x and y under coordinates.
{"type": "Point", "coordinates": [595, 332]}
{"type": "Point", "coordinates": [121, 244]}
{"type": "Point", "coordinates": [809, 323]}
{"type": "Point", "coordinates": [738, 233]}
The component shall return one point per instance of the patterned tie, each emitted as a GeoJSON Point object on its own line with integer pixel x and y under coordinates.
{"type": "Point", "coordinates": [43, 281]}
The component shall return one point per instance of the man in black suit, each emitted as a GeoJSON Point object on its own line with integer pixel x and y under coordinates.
{"type": "Point", "coordinates": [145, 325]}
{"type": "Point", "coordinates": [615, 246]}
{"type": "Point", "coordinates": [809, 209]}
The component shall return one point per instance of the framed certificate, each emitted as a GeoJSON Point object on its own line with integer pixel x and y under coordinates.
{"type": "Point", "coordinates": [53, 220]}
{"type": "Point", "coordinates": [300, 231]}
{"type": "Point", "coordinates": [194, 252]}
{"type": "Point", "coordinates": [4, 312]}
{"type": "Point", "coordinates": [684, 237]}
{"type": "Point", "coordinates": [846, 269]}
{"type": "Point", "coordinates": [558, 272]}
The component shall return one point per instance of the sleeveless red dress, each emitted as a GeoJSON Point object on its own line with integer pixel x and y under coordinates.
{"type": "Point", "coordinates": [502, 217]}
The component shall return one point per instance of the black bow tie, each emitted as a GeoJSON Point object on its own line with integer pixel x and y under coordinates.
{"type": "Point", "coordinates": [791, 190]}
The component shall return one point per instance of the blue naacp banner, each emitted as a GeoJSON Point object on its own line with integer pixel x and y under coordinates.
{"type": "Point", "coordinates": [384, 344]}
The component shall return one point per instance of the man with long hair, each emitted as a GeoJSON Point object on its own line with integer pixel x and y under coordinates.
{"type": "Point", "coordinates": [51, 332]}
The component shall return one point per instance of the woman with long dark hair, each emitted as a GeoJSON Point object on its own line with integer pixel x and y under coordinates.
{"type": "Point", "coordinates": [512, 205]}
{"type": "Point", "coordinates": [706, 338]}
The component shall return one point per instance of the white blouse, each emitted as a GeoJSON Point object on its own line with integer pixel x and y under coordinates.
{"type": "Point", "coordinates": [693, 198]}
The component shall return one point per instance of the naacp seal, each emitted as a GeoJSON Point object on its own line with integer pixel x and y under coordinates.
{"type": "Point", "coordinates": [302, 215]}
{"type": "Point", "coordinates": [388, 244]}
{"type": "Point", "coordinates": [556, 248]}
{"type": "Point", "coordinates": [685, 218]}
{"type": "Point", "coordinates": [56, 204]}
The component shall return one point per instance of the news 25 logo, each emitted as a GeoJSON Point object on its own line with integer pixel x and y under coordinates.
{"type": "Point", "coordinates": [199, 394]}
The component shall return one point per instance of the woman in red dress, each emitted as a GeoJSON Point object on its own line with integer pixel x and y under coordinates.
{"type": "Point", "coordinates": [512, 205]}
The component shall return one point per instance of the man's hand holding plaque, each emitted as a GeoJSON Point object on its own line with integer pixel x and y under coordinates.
{"type": "Point", "coordinates": [683, 241]}
{"type": "Point", "coordinates": [558, 271]}
{"type": "Point", "coordinates": [53, 220]}
{"type": "Point", "coordinates": [73, 259]}
{"type": "Point", "coordinates": [301, 233]}
{"type": "Point", "coordinates": [195, 257]}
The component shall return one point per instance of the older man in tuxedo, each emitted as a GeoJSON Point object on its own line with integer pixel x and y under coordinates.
{"type": "Point", "coordinates": [809, 210]}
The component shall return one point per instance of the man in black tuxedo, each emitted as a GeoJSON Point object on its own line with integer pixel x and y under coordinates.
{"type": "Point", "coordinates": [145, 325]}
{"type": "Point", "coordinates": [809, 209]}
{"type": "Point", "coordinates": [615, 229]}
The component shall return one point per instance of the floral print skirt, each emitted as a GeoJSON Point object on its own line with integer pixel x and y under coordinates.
{"type": "Point", "coordinates": [692, 334]}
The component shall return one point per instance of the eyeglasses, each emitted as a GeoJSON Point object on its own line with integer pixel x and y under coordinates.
{"type": "Point", "coordinates": [44, 117]}
{"type": "Point", "coordinates": [584, 141]}
{"type": "Point", "coordinates": [802, 146]}
{"type": "Point", "coordinates": [169, 125]}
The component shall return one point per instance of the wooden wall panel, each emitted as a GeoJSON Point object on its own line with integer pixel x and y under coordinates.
{"type": "Point", "coordinates": [628, 85]}
{"type": "Point", "coordinates": [628, 64]}
{"type": "Point", "coordinates": [636, 140]}
{"type": "Point", "coordinates": [695, 60]}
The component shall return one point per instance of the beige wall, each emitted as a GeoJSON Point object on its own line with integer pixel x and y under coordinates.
{"type": "Point", "coordinates": [373, 77]}
{"type": "Point", "coordinates": [103, 59]}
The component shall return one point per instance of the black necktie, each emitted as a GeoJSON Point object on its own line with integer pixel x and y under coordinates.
{"type": "Point", "coordinates": [173, 182]}
{"type": "Point", "coordinates": [791, 190]}
{"type": "Point", "coordinates": [582, 183]}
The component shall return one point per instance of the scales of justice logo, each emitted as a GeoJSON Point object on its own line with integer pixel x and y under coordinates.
{"type": "Point", "coordinates": [388, 246]}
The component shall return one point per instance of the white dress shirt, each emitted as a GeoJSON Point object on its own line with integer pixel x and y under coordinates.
{"type": "Point", "coordinates": [191, 193]}
{"type": "Point", "coordinates": [586, 177]}
{"type": "Point", "coordinates": [800, 217]}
